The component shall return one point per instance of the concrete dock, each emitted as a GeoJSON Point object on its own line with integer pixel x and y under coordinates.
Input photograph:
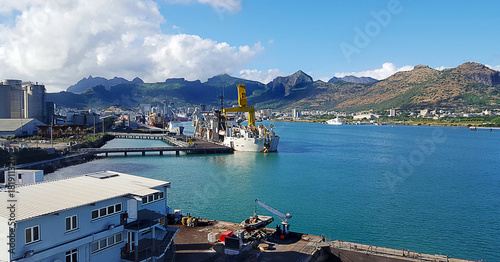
{"type": "Point", "coordinates": [179, 144]}
{"type": "Point", "coordinates": [192, 245]}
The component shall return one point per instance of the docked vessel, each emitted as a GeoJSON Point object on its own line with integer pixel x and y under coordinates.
{"type": "Point", "coordinates": [176, 127]}
{"type": "Point", "coordinates": [335, 121]}
{"type": "Point", "coordinates": [251, 139]}
{"type": "Point", "coordinates": [225, 128]}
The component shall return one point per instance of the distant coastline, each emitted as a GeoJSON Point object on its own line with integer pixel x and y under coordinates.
{"type": "Point", "coordinates": [405, 123]}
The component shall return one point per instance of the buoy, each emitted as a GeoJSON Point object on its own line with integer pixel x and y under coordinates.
{"type": "Point", "coordinates": [282, 237]}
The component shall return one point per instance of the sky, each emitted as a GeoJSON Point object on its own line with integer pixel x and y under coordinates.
{"type": "Point", "coordinates": [58, 42]}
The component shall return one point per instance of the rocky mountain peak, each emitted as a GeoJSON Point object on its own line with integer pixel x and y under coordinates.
{"type": "Point", "coordinates": [479, 72]}
{"type": "Point", "coordinates": [282, 85]}
{"type": "Point", "coordinates": [417, 67]}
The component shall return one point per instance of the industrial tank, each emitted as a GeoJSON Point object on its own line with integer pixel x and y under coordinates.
{"type": "Point", "coordinates": [16, 97]}
{"type": "Point", "coordinates": [34, 101]}
{"type": "Point", "coordinates": [4, 101]}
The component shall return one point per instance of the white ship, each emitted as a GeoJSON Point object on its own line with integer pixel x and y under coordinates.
{"type": "Point", "coordinates": [222, 127]}
{"type": "Point", "coordinates": [251, 138]}
{"type": "Point", "coordinates": [335, 121]}
{"type": "Point", "coordinates": [176, 127]}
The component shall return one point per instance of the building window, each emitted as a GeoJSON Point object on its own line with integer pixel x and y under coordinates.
{"type": "Point", "coordinates": [71, 223]}
{"type": "Point", "coordinates": [106, 211]}
{"type": "Point", "coordinates": [32, 234]}
{"type": "Point", "coordinates": [106, 242]}
{"type": "Point", "coordinates": [153, 197]}
{"type": "Point", "coordinates": [72, 256]}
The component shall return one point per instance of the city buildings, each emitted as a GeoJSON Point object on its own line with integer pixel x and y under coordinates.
{"type": "Point", "coordinates": [104, 216]}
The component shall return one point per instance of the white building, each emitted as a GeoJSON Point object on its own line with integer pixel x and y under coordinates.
{"type": "Point", "coordinates": [424, 113]}
{"type": "Point", "coordinates": [21, 177]}
{"type": "Point", "coordinates": [392, 112]}
{"type": "Point", "coordinates": [105, 216]}
{"type": "Point", "coordinates": [365, 116]}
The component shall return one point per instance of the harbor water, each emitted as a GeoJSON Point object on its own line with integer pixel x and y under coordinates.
{"type": "Point", "coordinates": [435, 190]}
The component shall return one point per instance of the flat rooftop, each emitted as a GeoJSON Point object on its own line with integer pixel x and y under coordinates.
{"type": "Point", "coordinates": [57, 195]}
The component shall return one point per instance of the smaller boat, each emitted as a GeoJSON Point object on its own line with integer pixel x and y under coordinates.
{"type": "Point", "coordinates": [335, 121]}
{"type": "Point", "coordinates": [256, 222]}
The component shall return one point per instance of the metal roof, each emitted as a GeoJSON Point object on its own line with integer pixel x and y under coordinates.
{"type": "Point", "coordinates": [53, 196]}
{"type": "Point", "coordinates": [12, 124]}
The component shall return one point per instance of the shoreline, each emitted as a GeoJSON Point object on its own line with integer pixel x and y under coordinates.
{"type": "Point", "coordinates": [353, 123]}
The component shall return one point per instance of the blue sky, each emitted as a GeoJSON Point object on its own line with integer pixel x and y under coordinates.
{"type": "Point", "coordinates": [254, 39]}
{"type": "Point", "coordinates": [308, 35]}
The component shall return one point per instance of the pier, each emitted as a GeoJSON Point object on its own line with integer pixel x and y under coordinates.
{"type": "Point", "coordinates": [178, 143]}
{"type": "Point", "coordinates": [192, 245]}
{"type": "Point", "coordinates": [137, 135]}
{"type": "Point", "coordinates": [160, 150]}
{"type": "Point", "coordinates": [476, 128]}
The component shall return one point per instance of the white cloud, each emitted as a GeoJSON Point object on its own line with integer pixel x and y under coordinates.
{"type": "Point", "coordinates": [261, 76]}
{"type": "Point", "coordinates": [59, 42]}
{"type": "Point", "coordinates": [387, 70]}
{"type": "Point", "coordinates": [231, 6]}
{"type": "Point", "coordinates": [441, 68]}
{"type": "Point", "coordinates": [497, 68]}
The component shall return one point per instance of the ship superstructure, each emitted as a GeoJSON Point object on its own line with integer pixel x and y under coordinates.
{"type": "Point", "coordinates": [225, 128]}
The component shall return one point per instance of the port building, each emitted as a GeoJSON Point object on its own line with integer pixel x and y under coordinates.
{"type": "Point", "coordinates": [104, 216]}
{"type": "Point", "coordinates": [19, 127]}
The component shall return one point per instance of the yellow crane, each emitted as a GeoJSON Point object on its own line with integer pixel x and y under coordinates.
{"type": "Point", "coordinates": [242, 101]}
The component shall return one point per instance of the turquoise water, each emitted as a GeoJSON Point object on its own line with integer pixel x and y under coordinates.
{"type": "Point", "coordinates": [430, 189]}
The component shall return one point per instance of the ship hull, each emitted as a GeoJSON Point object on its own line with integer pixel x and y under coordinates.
{"type": "Point", "coordinates": [252, 144]}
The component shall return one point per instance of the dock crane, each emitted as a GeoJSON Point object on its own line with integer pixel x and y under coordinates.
{"type": "Point", "coordinates": [284, 218]}
{"type": "Point", "coordinates": [243, 102]}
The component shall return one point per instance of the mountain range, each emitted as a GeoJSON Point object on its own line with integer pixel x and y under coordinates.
{"type": "Point", "coordinates": [86, 83]}
{"type": "Point", "coordinates": [470, 85]}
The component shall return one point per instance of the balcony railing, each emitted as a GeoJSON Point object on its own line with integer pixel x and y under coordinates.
{"type": "Point", "coordinates": [145, 220]}
{"type": "Point", "coordinates": [149, 248]}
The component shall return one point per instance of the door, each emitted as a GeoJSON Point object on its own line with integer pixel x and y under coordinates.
{"type": "Point", "coordinates": [131, 210]}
